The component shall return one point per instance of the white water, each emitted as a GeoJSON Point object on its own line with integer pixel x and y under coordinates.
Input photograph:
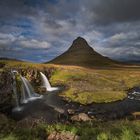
{"type": "Point", "coordinates": [135, 95]}
{"type": "Point", "coordinates": [27, 92]}
{"type": "Point", "coordinates": [24, 80]}
{"type": "Point", "coordinates": [23, 99]}
{"type": "Point", "coordinates": [31, 95]}
{"type": "Point", "coordinates": [46, 83]}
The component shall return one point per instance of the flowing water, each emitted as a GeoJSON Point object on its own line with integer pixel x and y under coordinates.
{"type": "Point", "coordinates": [46, 83]}
{"type": "Point", "coordinates": [48, 105]}
{"type": "Point", "coordinates": [27, 92]}
{"type": "Point", "coordinates": [51, 104]}
{"type": "Point", "coordinates": [134, 94]}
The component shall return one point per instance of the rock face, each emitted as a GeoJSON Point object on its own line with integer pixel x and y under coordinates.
{"type": "Point", "coordinates": [2, 64]}
{"type": "Point", "coordinates": [33, 75]}
{"type": "Point", "coordinates": [5, 91]}
{"type": "Point", "coordinates": [62, 136]}
{"type": "Point", "coordinates": [81, 54]}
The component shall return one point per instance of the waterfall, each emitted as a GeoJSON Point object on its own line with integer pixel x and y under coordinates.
{"type": "Point", "coordinates": [24, 98]}
{"type": "Point", "coordinates": [24, 81]}
{"type": "Point", "coordinates": [27, 92]}
{"type": "Point", "coordinates": [17, 108]}
{"type": "Point", "coordinates": [46, 83]}
{"type": "Point", "coordinates": [31, 95]}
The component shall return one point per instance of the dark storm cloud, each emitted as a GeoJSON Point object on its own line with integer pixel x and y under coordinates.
{"type": "Point", "coordinates": [15, 9]}
{"type": "Point", "coordinates": [43, 29]}
{"type": "Point", "coordinates": [114, 10]}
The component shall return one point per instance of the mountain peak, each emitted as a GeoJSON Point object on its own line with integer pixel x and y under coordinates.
{"type": "Point", "coordinates": [80, 39]}
{"type": "Point", "coordinates": [81, 54]}
{"type": "Point", "coordinates": [79, 43]}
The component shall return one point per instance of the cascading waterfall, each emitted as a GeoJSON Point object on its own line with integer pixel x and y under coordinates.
{"type": "Point", "coordinates": [24, 98]}
{"type": "Point", "coordinates": [32, 92]}
{"type": "Point", "coordinates": [24, 81]}
{"type": "Point", "coordinates": [27, 92]}
{"type": "Point", "coordinates": [31, 95]}
{"type": "Point", "coordinates": [17, 108]}
{"type": "Point", "coordinates": [46, 83]}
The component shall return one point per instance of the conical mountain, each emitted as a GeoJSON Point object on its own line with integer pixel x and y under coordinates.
{"type": "Point", "coordinates": [81, 54]}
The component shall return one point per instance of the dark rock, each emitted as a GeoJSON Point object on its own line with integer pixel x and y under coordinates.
{"type": "Point", "coordinates": [2, 64]}
{"type": "Point", "coordinates": [41, 90]}
{"type": "Point", "coordinates": [71, 111]}
{"type": "Point", "coordinates": [5, 91]}
{"type": "Point", "coordinates": [136, 115]}
{"type": "Point", "coordinates": [63, 136]}
{"type": "Point", "coordinates": [81, 117]}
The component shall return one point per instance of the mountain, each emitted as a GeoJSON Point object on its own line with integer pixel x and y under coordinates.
{"type": "Point", "coordinates": [81, 54]}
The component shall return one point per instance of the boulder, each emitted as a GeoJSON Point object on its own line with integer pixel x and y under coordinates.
{"type": "Point", "coordinates": [41, 90]}
{"type": "Point", "coordinates": [71, 111]}
{"type": "Point", "coordinates": [62, 136]}
{"type": "Point", "coordinates": [81, 117]}
{"type": "Point", "coordinates": [136, 115]}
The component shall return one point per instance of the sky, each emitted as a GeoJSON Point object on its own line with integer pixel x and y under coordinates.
{"type": "Point", "coordinates": [40, 30]}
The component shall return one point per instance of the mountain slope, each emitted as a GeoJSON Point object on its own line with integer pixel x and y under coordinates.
{"type": "Point", "coordinates": [81, 54]}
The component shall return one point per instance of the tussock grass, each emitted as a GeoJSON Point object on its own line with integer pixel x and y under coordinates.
{"type": "Point", "coordinates": [112, 130]}
{"type": "Point", "coordinates": [96, 85]}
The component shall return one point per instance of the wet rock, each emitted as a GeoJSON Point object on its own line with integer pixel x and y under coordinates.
{"type": "Point", "coordinates": [71, 111]}
{"type": "Point", "coordinates": [59, 110]}
{"type": "Point", "coordinates": [136, 115]}
{"type": "Point", "coordinates": [2, 64]}
{"type": "Point", "coordinates": [41, 90]}
{"type": "Point", "coordinates": [93, 118]}
{"type": "Point", "coordinates": [63, 136]}
{"type": "Point", "coordinates": [81, 117]}
{"type": "Point", "coordinates": [5, 91]}
{"type": "Point", "coordinates": [33, 75]}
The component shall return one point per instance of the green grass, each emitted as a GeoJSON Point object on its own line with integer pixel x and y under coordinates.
{"type": "Point", "coordinates": [112, 130]}
{"type": "Point", "coordinates": [96, 85]}
{"type": "Point", "coordinates": [98, 97]}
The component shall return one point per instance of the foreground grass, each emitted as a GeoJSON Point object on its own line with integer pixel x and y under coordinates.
{"type": "Point", "coordinates": [116, 130]}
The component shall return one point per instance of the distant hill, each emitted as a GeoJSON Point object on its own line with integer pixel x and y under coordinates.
{"type": "Point", "coordinates": [12, 59]}
{"type": "Point", "coordinates": [81, 54]}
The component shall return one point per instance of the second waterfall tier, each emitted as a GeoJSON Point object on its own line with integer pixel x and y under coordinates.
{"type": "Point", "coordinates": [46, 83]}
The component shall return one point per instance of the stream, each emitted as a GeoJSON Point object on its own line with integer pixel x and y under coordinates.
{"type": "Point", "coordinates": [51, 105]}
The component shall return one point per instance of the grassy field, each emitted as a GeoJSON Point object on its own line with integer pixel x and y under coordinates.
{"type": "Point", "coordinates": [96, 85]}
{"type": "Point", "coordinates": [88, 85]}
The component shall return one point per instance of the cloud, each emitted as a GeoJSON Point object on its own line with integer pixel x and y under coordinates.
{"type": "Point", "coordinates": [6, 38]}
{"type": "Point", "coordinates": [40, 30]}
{"type": "Point", "coordinates": [32, 43]}
{"type": "Point", "coordinates": [114, 10]}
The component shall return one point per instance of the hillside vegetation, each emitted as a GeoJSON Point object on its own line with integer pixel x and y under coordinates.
{"type": "Point", "coordinates": [84, 85]}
